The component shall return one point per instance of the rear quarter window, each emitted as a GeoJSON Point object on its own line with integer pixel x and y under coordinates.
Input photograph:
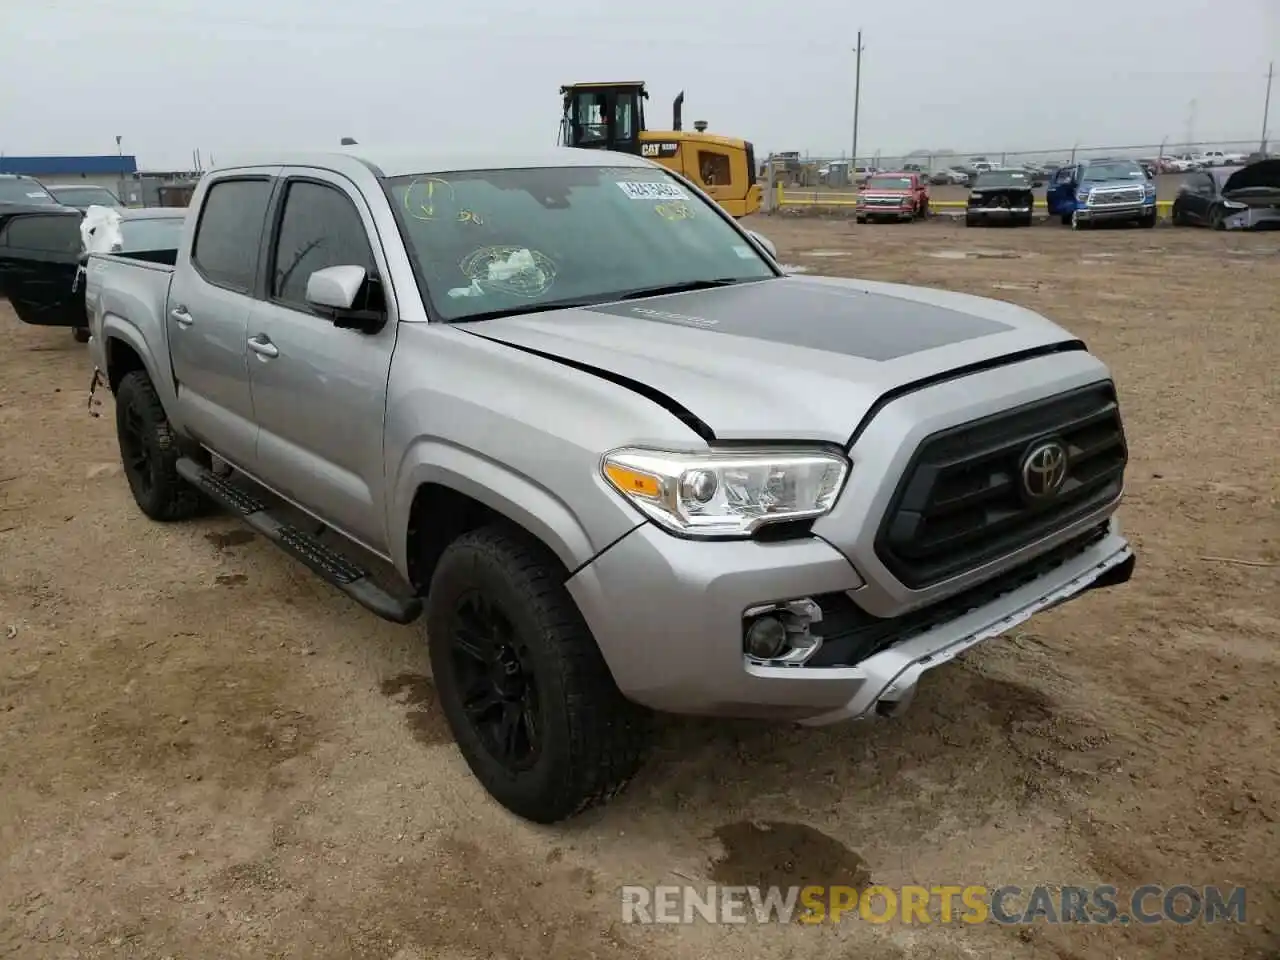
{"type": "Point", "coordinates": [227, 241]}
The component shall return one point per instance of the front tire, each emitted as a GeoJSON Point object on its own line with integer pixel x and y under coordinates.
{"type": "Point", "coordinates": [149, 453]}
{"type": "Point", "coordinates": [531, 703]}
{"type": "Point", "coordinates": [81, 334]}
{"type": "Point", "coordinates": [1217, 219]}
{"type": "Point", "coordinates": [1148, 221]}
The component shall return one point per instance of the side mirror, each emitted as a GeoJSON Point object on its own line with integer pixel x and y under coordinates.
{"type": "Point", "coordinates": [764, 242]}
{"type": "Point", "coordinates": [333, 292]}
{"type": "Point", "coordinates": [335, 288]}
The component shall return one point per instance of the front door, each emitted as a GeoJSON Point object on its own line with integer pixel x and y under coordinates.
{"type": "Point", "coordinates": [319, 391]}
{"type": "Point", "coordinates": [210, 299]}
{"type": "Point", "coordinates": [1198, 198]}
{"type": "Point", "coordinates": [1059, 194]}
{"type": "Point", "coordinates": [39, 260]}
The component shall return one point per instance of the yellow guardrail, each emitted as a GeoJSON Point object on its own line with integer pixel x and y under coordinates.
{"type": "Point", "coordinates": [835, 198]}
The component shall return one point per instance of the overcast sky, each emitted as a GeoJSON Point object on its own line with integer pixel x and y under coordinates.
{"type": "Point", "coordinates": [972, 75]}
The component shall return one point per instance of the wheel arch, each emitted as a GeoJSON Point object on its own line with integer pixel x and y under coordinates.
{"type": "Point", "coordinates": [443, 491]}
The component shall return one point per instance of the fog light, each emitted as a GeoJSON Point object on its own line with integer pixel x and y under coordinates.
{"type": "Point", "coordinates": [766, 638]}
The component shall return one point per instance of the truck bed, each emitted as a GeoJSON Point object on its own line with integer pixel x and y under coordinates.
{"type": "Point", "coordinates": [131, 288]}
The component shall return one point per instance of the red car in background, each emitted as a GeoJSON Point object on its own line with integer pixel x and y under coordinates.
{"type": "Point", "coordinates": [893, 196]}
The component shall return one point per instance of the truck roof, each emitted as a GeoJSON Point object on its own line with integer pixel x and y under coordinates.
{"type": "Point", "coordinates": [404, 162]}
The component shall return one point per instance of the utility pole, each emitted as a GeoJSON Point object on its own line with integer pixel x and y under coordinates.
{"type": "Point", "coordinates": [1266, 107]}
{"type": "Point", "coordinates": [1191, 126]}
{"type": "Point", "coordinates": [857, 97]}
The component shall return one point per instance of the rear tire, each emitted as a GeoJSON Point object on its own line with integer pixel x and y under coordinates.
{"type": "Point", "coordinates": [149, 453]}
{"type": "Point", "coordinates": [525, 690]}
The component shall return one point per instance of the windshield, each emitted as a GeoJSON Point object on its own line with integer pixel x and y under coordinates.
{"type": "Point", "coordinates": [151, 233]}
{"type": "Point", "coordinates": [1003, 178]}
{"type": "Point", "coordinates": [889, 183]}
{"type": "Point", "coordinates": [1114, 170]}
{"type": "Point", "coordinates": [85, 196]}
{"type": "Point", "coordinates": [498, 240]}
{"type": "Point", "coordinates": [23, 191]}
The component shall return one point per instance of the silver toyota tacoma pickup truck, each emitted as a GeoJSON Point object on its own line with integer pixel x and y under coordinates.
{"type": "Point", "coordinates": [622, 461]}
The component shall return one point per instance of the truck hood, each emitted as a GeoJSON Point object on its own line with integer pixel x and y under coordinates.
{"type": "Point", "coordinates": [796, 358]}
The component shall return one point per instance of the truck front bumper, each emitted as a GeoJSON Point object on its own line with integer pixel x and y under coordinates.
{"type": "Point", "coordinates": [885, 212]}
{"type": "Point", "coordinates": [669, 615]}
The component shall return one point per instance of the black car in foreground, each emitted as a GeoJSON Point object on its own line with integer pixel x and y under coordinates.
{"type": "Point", "coordinates": [1231, 198]}
{"type": "Point", "coordinates": [1001, 196]}
{"type": "Point", "coordinates": [41, 253]}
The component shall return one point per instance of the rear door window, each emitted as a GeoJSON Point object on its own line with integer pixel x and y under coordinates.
{"type": "Point", "coordinates": [226, 246]}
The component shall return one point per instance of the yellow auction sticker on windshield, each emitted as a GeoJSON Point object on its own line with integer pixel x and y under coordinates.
{"type": "Point", "coordinates": [638, 190]}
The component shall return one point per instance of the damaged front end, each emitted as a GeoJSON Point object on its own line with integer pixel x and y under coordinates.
{"type": "Point", "coordinates": [1251, 197]}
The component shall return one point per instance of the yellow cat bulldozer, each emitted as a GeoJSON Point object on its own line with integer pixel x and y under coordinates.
{"type": "Point", "coordinates": [610, 116]}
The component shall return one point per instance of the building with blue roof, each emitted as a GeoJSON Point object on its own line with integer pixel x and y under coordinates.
{"type": "Point", "coordinates": [117, 172]}
{"type": "Point", "coordinates": [114, 166]}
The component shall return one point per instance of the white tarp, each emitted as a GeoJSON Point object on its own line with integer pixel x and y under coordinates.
{"type": "Point", "coordinates": [100, 230]}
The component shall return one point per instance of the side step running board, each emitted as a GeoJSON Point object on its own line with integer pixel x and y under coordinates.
{"type": "Point", "coordinates": [330, 565]}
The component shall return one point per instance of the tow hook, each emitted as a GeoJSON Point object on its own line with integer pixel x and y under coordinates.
{"type": "Point", "coordinates": [93, 388]}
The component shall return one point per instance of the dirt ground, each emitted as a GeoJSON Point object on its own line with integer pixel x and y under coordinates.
{"type": "Point", "coordinates": [207, 753]}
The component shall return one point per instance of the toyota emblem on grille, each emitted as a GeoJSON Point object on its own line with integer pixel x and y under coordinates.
{"type": "Point", "coordinates": [1044, 470]}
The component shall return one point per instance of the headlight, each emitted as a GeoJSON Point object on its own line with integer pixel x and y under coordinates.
{"type": "Point", "coordinates": [1150, 189]}
{"type": "Point", "coordinates": [1235, 205]}
{"type": "Point", "coordinates": [727, 493]}
{"type": "Point", "coordinates": [1082, 196]}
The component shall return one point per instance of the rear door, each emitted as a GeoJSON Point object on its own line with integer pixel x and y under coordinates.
{"type": "Point", "coordinates": [39, 258]}
{"type": "Point", "coordinates": [212, 294]}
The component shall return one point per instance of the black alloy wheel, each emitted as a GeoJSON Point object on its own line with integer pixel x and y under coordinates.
{"type": "Point", "coordinates": [494, 674]}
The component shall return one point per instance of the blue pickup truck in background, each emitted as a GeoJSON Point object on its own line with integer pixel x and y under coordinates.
{"type": "Point", "coordinates": [1102, 189]}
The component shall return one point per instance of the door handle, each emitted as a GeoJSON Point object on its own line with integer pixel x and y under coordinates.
{"type": "Point", "coordinates": [181, 316]}
{"type": "Point", "coordinates": [263, 347]}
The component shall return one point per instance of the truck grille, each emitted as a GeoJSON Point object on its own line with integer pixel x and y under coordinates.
{"type": "Point", "coordinates": [883, 201]}
{"type": "Point", "coordinates": [1122, 195]}
{"type": "Point", "coordinates": [960, 503]}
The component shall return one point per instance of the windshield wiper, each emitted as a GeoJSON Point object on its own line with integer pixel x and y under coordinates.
{"type": "Point", "coordinates": [577, 302]}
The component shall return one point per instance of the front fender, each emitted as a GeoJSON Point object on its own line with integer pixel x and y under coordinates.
{"type": "Point", "coordinates": [516, 497]}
